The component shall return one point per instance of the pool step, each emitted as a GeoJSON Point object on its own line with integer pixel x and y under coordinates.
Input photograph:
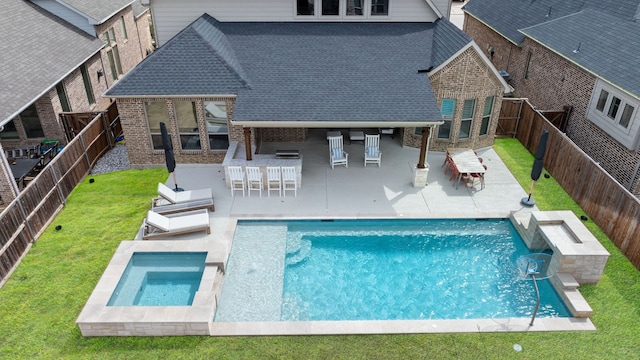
{"type": "Point", "coordinates": [301, 254]}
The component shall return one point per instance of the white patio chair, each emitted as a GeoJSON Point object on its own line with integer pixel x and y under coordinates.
{"type": "Point", "coordinates": [337, 154]}
{"type": "Point", "coordinates": [254, 179]}
{"type": "Point", "coordinates": [274, 180]}
{"type": "Point", "coordinates": [289, 180]}
{"type": "Point", "coordinates": [372, 154]}
{"type": "Point", "coordinates": [236, 178]}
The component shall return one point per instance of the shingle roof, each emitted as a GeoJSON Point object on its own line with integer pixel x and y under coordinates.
{"type": "Point", "coordinates": [37, 50]}
{"type": "Point", "coordinates": [138, 8]}
{"type": "Point", "coordinates": [448, 39]}
{"type": "Point", "coordinates": [508, 16]}
{"type": "Point", "coordinates": [608, 46]}
{"type": "Point", "coordinates": [99, 10]}
{"type": "Point", "coordinates": [298, 71]}
{"type": "Point", "coordinates": [197, 61]}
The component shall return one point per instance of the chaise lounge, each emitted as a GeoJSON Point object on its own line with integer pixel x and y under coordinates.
{"type": "Point", "coordinates": [157, 225]}
{"type": "Point", "coordinates": [170, 202]}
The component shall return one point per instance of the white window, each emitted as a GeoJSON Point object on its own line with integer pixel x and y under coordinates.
{"type": "Point", "coordinates": [616, 113]}
{"type": "Point", "coordinates": [447, 108]}
{"type": "Point", "coordinates": [486, 115]}
{"type": "Point", "coordinates": [187, 125]}
{"type": "Point", "coordinates": [339, 9]}
{"type": "Point", "coordinates": [467, 118]}
{"type": "Point", "coordinates": [215, 114]}
{"type": "Point", "coordinates": [156, 112]}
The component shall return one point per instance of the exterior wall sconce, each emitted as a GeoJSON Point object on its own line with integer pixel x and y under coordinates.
{"type": "Point", "coordinates": [100, 74]}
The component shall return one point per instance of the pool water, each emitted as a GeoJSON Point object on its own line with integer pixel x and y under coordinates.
{"type": "Point", "coordinates": [159, 279]}
{"type": "Point", "coordinates": [309, 270]}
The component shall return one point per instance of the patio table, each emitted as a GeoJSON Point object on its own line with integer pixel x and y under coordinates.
{"type": "Point", "coordinates": [22, 168]}
{"type": "Point", "coordinates": [466, 161]}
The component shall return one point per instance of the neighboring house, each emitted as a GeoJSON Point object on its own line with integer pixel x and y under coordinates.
{"type": "Point", "coordinates": [60, 56]}
{"type": "Point", "coordinates": [232, 71]}
{"type": "Point", "coordinates": [583, 54]}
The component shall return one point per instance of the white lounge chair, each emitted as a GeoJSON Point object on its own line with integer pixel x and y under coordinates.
{"type": "Point", "coordinates": [183, 196]}
{"type": "Point", "coordinates": [337, 154]}
{"type": "Point", "coordinates": [372, 154]}
{"type": "Point", "coordinates": [236, 179]}
{"type": "Point", "coordinates": [254, 179]}
{"type": "Point", "coordinates": [170, 201]}
{"type": "Point", "coordinates": [157, 225]}
{"type": "Point", "coordinates": [289, 180]}
{"type": "Point", "coordinates": [274, 180]}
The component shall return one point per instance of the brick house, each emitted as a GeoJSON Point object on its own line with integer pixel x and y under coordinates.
{"type": "Point", "coordinates": [224, 75]}
{"type": "Point", "coordinates": [582, 54]}
{"type": "Point", "coordinates": [60, 56]}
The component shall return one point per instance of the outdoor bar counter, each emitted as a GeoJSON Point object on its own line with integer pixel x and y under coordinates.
{"type": "Point", "coordinates": [236, 156]}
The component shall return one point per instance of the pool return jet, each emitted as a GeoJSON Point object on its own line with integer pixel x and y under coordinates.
{"type": "Point", "coordinates": [534, 267]}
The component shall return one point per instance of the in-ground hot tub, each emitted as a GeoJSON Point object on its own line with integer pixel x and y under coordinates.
{"type": "Point", "coordinates": [156, 288]}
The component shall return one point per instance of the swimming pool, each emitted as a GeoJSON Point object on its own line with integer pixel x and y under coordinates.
{"type": "Point", "coordinates": [159, 279]}
{"type": "Point", "coordinates": [400, 269]}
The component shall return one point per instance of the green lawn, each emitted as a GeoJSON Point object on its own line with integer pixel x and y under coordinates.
{"type": "Point", "coordinates": [41, 301]}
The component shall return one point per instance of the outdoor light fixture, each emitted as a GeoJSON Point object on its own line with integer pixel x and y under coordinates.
{"type": "Point", "coordinates": [100, 74]}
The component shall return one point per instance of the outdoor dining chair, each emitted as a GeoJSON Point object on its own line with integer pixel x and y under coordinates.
{"type": "Point", "coordinates": [289, 180]}
{"type": "Point", "coordinates": [254, 179]}
{"type": "Point", "coordinates": [274, 180]}
{"type": "Point", "coordinates": [236, 179]}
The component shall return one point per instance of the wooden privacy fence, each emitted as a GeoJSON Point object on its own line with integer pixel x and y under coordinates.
{"type": "Point", "coordinates": [607, 202]}
{"type": "Point", "coordinates": [27, 216]}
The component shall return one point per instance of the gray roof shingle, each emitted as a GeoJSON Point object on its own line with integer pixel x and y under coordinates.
{"type": "Point", "coordinates": [448, 39]}
{"type": "Point", "coordinates": [298, 71]}
{"type": "Point", "coordinates": [99, 10]}
{"type": "Point", "coordinates": [37, 50]}
{"type": "Point", "coordinates": [608, 31]}
{"type": "Point", "coordinates": [608, 47]}
{"type": "Point", "coordinates": [508, 16]}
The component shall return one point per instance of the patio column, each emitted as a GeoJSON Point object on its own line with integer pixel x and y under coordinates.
{"type": "Point", "coordinates": [426, 132]}
{"type": "Point", "coordinates": [422, 169]}
{"type": "Point", "coordinates": [247, 143]}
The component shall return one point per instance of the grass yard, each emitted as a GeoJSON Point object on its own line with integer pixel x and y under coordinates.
{"type": "Point", "coordinates": [42, 299]}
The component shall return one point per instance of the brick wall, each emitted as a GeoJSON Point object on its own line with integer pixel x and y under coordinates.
{"type": "Point", "coordinates": [144, 33]}
{"type": "Point", "coordinates": [552, 83]}
{"type": "Point", "coordinates": [136, 132]}
{"type": "Point", "coordinates": [465, 77]}
{"type": "Point", "coordinates": [129, 50]}
{"type": "Point", "coordinates": [502, 48]}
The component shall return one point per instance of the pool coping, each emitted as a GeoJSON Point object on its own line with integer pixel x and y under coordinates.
{"type": "Point", "coordinates": [371, 327]}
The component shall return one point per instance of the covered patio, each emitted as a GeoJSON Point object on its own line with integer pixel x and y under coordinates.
{"type": "Point", "coordinates": [358, 191]}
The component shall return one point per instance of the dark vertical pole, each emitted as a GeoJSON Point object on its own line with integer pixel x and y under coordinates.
{"type": "Point", "coordinates": [423, 147]}
{"type": "Point", "coordinates": [247, 142]}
